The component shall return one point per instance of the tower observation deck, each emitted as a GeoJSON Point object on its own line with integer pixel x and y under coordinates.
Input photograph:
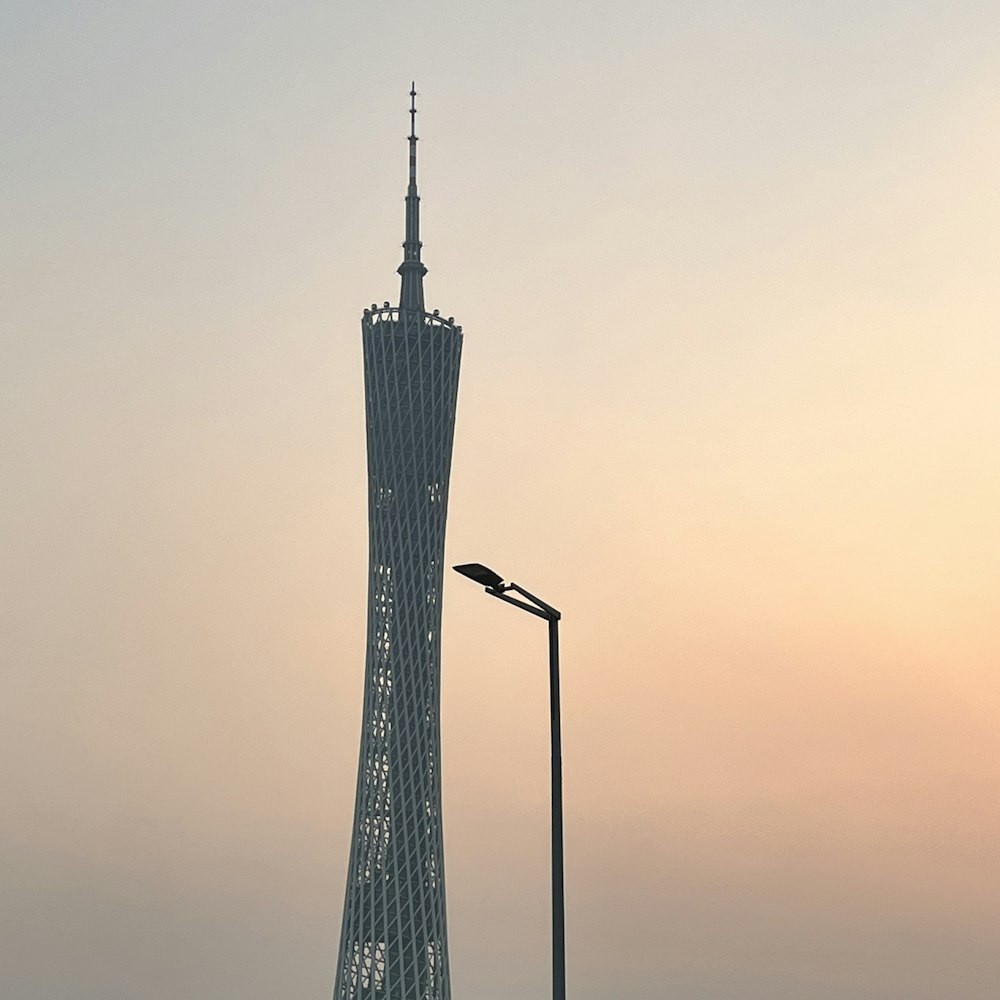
{"type": "Point", "coordinates": [393, 943]}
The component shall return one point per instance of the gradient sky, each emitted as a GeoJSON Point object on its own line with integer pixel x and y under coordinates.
{"type": "Point", "coordinates": [727, 274]}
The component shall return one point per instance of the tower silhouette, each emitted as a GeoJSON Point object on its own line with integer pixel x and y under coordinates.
{"type": "Point", "coordinates": [393, 941]}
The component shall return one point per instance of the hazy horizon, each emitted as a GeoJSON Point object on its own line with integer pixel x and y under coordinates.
{"type": "Point", "coordinates": [728, 399]}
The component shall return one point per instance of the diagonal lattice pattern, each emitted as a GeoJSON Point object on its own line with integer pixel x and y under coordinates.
{"type": "Point", "coordinates": [394, 939]}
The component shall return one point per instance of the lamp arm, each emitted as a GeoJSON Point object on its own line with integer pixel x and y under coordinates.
{"type": "Point", "coordinates": [550, 612]}
{"type": "Point", "coordinates": [518, 604]}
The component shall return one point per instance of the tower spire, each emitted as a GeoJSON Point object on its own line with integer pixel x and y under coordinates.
{"type": "Point", "coordinates": [412, 270]}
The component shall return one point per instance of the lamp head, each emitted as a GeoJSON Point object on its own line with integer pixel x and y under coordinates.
{"type": "Point", "coordinates": [480, 574]}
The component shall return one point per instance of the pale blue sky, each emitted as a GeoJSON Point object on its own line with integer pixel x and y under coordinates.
{"type": "Point", "coordinates": [726, 273]}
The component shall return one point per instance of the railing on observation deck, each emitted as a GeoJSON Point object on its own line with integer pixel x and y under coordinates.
{"type": "Point", "coordinates": [391, 314]}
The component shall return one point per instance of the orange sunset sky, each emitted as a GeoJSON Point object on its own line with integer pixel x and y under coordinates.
{"type": "Point", "coordinates": [727, 276]}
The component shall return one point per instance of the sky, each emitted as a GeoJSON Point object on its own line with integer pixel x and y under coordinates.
{"type": "Point", "coordinates": [727, 276]}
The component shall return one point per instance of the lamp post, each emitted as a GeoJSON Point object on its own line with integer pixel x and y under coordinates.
{"type": "Point", "coordinates": [496, 587]}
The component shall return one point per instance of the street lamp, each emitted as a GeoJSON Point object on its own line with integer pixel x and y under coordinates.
{"type": "Point", "coordinates": [495, 587]}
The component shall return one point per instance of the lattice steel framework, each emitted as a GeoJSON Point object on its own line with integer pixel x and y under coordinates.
{"type": "Point", "coordinates": [394, 938]}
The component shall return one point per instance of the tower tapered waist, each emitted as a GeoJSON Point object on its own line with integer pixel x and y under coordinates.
{"type": "Point", "coordinates": [394, 936]}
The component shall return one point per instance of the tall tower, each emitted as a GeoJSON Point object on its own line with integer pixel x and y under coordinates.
{"type": "Point", "coordinates": [393, 943]}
